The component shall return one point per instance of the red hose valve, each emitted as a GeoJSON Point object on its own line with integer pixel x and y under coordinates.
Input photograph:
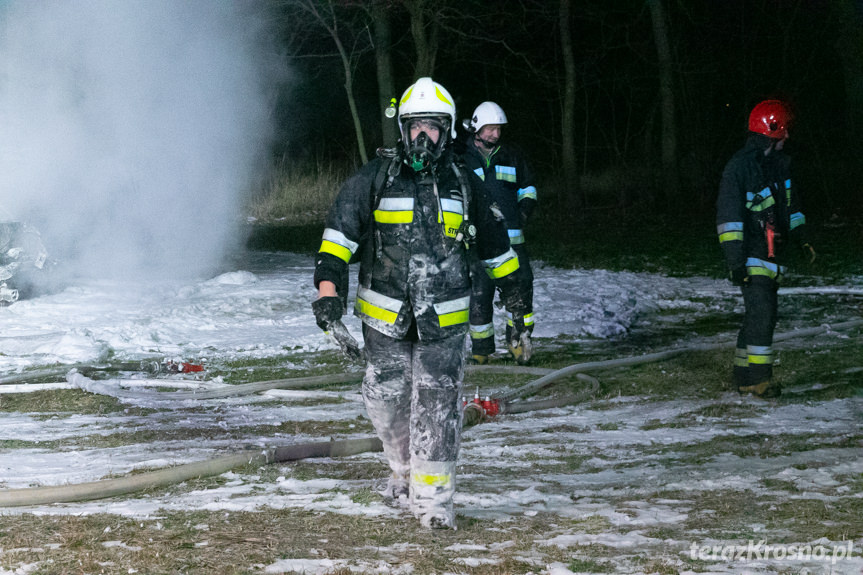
{"type": "Point", "coordinates": [491, 406]}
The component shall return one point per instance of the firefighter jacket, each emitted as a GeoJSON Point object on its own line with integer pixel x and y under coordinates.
{"type": "Point", "coordinates": [508, 181]}
{"type": "Point", "coordinates": [413, 263]}
{"type": "Point", "coordinates": [757, 210]}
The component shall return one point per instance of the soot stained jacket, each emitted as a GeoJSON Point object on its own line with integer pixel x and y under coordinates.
{"type": "Point", "coordinates": [508, 181]}
{"type": "Point", "coordinates": [412, 265]}
{"type": "Point", "coordinates": [755, 194]}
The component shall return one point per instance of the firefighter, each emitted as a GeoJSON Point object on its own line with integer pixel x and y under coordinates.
{"type": "Point", "coordinates": [411, 218]}
{"type": "Point", "coordinates": [757, 218]}
{"type": "Point", "coordinates": [509, 182]}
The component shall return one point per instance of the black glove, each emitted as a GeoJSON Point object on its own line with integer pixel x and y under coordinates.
{"type": "Point", "coordinates": [327, 310]}
{"type": "Point", "coordinates": [738, 276]}
{"type": "Point", "coordinates": [519, 343]}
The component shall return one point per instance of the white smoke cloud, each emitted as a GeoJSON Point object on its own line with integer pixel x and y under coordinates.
{"type": "Point", "coordinates": [131, 130]}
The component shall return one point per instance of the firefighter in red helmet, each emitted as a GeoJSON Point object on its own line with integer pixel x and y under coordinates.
{"type": "Point", "coordinates": [757, 218]}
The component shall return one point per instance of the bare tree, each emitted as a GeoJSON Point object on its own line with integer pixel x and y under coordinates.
{"type": "Point", "coordinates": [323, 13]}
{"type": "Point", "coordinates": [670, 176]}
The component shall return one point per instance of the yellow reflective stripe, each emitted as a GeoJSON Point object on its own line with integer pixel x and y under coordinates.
{"type": "Point", "coordinates": [501, 266]}
{"type": "Point", "coordinates": [395, 211]}
{"type": "Point", "coordinates": [341, 252]}
{"type": "Point", "coordinates": [527, 193]}
{"type": "Point", "coordinates": [766, 203]}
{"type": "Point", "coordinates": [453, 216]}
{"type": "Point", "coordinates": [758, 271]}
{"type": "Point", "coordinates": [431, 479]}
{"type": "Point", "coordinates": [385, 217]}
{"type": "Point", "coordinates": [759, 354]}
{"type": "Point", "coordinates": [452, 312]}
{"type": "Point", "coordinates": [482, 331]}
{"type": "Point", "coordinates": [336, 243]}
{"type": "Point", "coordinates": [377, 306]}
{"type": "Point", "coordinates": [504, 269]}
{"type": "Point", "coordinates": [528, 319]}
{"type": "Point", "coordinates": [441, 97]}
{"type": "Point", "coordinates": [373, 311]}
{"type": "Point", "coordinates": [453, 318]}
{"type": "Point", "coordinates": [730, 237]}
{"type": "Point", "coordinates": [741, 358]}
{"type": "Point", "coordinates": [505, 173]}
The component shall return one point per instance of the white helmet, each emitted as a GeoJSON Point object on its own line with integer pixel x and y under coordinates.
{"type": "Point", "coordinates": [487, 113]}
{"type": "Point", "coordinates": [426, 100]}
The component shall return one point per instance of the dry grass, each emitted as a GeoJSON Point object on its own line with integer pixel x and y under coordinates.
{"type": "Point", "coordinates": [297, 194]}
{"type": "Point", "coordinates": [527, 538]}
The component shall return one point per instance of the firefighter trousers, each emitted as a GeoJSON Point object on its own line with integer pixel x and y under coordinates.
{"type": "Point", "coordinates": [753, 358]}
{"type": "Point", "coordinates": [482, 303]}
{"type": "Point", "coordinates": [412, 392]}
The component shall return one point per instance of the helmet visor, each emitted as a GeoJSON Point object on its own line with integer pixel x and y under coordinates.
{"type": "Point", "coordinates": [434, 127]}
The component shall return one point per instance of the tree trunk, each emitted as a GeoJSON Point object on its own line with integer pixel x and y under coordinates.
{"type": "Point", "coordinates": [572, 194]}
{"type": "Point", "coordinates": [424, 37]}
{"type": "Point", "coordinates": [383, 57]}
{"type": "Point", "coordinates": [670, 175]}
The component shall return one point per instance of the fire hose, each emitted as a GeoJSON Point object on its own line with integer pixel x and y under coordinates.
{"type": "Point", "coordinates": [473, 415]}
{"type": "Point", "coordinates": [474, 412]}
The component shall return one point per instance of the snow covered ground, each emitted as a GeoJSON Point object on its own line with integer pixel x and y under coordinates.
{"type": "Point", "coordinates": [632, 477]}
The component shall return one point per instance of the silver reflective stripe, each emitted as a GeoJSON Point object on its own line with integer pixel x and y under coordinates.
{"type": "Point", "coordinates": [396, 204]}
{"type": "Point", "coordinates": [454, 206]}
{"type": "Point", "coordinates": [459, 304]}
{"type": "Point", "coordinates": [339, 238]}
{"type": "Point", "coordinates": [515, 236]}
{"type": "Point", "coordinates": [501, 259]}
{"type": "Point", "coordinates": [379, 299]}
{"type": "Point", "coordinates": [482, 331]}
{"type": "Point", "coordinates": [729, 227]}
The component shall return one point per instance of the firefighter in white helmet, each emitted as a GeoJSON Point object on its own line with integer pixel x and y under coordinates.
{"type": "Point", "coordinates": [509, 183]}
{"type": "Point", "coordinates": [411, 219]}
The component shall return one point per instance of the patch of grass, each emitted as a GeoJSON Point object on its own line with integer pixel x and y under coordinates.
{"type": "Point", "coordinates": [65, 401]}
{"type": "Point", "coordinates": [589, 566]}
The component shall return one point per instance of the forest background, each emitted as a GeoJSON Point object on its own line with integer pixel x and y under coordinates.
{"type": "Point", "coordinates": [624, 108]}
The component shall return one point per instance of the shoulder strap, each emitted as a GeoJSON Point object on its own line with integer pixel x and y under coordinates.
{"type": "Point", "coordinates": [465, 187]}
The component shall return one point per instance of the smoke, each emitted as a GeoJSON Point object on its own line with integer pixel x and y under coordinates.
{"type": "Point", "coordinates": [131, 131]}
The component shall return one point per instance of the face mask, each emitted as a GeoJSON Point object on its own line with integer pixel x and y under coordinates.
{"type": "Point", "coordinates": [421, 152]}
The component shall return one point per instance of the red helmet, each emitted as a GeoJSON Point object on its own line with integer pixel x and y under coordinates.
{"type": "Point", "coordinates": [771, 118]}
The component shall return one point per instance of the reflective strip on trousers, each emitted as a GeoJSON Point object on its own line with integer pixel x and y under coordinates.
{"type": "Point", "coordinates": [528, 319]}
{"type": "Point", "coordinates": [759, 354]}
{"type": "Point", "coordinates": [482, 331]}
